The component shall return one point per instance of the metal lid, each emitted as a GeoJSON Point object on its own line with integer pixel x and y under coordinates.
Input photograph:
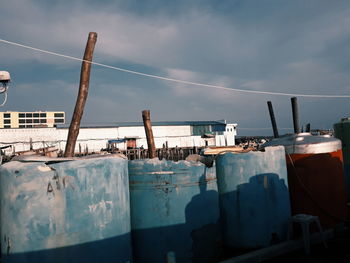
{"type": "Point", "coordinates": [347, 119]}
{"type": "Point", "coordinates": [304, 143]}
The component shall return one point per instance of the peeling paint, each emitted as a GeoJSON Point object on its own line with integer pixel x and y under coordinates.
{"type": "Point", "coordinates": [66, 204]}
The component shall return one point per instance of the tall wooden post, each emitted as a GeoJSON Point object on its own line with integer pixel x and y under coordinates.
{"type": "Point", "coordinates": [149, 134]}
{"type": "Point", "coordinates": [273, 120]}
{"type": "Point", "coordinates": [295, 112]}
{"type": "Point", "coordinates": [82, 95]}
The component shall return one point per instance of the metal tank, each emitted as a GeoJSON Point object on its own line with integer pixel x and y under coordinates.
{"type": "Point", "coordinates": [174, 209]}
{"type": "Point", "coordinates": [315, 176]}
{"type": "Point", "coordinates": [74, 211]}
{"type": "Point", "coordinates": [342, 132]}
{"type": "Point", "coordinates": [254, 197]}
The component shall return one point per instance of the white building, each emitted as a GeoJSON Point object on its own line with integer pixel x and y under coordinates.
{"type": "Point", "coordinates": [180, 134]}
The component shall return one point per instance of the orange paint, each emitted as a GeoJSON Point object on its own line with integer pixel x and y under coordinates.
{"type": "Point", "coordinates": [317, 186]}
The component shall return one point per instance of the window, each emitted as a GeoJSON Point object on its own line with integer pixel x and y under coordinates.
{"type": "Point", "coordinates": [43, 121]}
{"type": "Point", "coordinates": [36, 120]}
{"type": "Point", "coordinates": [7, 115]}
{"type": "Point", "coordinates": [21, 115]}
{"type": "Point", "coordinates": [22, 121]}
{"type": "Point", "coordinates": [43, 115]}
{"type": "Point", "coordinates": [29, 126]}
{"type": "Point", "coordinates": [22, 126]}
{"type": "Point", "coordinates": [7, 126]}
{"type": "Point", "coordinates": [35, 115]}
{"type": "Point", "coordinates": [29, 120]}
{"type": "Point", "coordinates": [59, 120]}
{"type": "Point", "coordinates": [59, 115]}
{"type": "Point", "coordinates": [29, 115]}
{"type": "Point", "coordinates": [7, 121]}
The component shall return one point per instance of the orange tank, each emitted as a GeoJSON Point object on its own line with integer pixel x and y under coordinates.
{"type": "Point", "coordinates": [315, 176]}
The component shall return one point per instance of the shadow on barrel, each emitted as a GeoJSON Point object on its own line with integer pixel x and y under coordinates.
{"type": "Point", "coordinates": [256, 213]}
{"type": "Point", "coordinates": [189, 215]}
{"type": "Point", "coordinates": [87, 252]}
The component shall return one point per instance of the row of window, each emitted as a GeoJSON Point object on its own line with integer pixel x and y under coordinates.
{"type": "Point", "coordinates": [30, 126]}
{"type": "Point", "coordinates": [8, 121]}
{"type": "Point", "coordinates": [25, 126]}
{"type": "Point", "coordinates": [34, 115]}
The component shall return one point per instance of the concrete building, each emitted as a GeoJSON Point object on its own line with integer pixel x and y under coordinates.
{"type": "Point", "coordinates": [123, 135]}
{"type": "Point", "coordinates": [14, 119]}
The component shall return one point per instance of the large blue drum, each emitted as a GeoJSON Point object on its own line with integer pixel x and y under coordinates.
{"type": "Point", "coordinates": [74, 211]}
{"type": "Point", "coordinates": [254, 197]}
{"type": "Point", "coordinates": [174, 208]}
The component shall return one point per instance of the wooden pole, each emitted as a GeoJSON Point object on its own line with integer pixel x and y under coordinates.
{"type": "Point", "coordinates": [82, 95]}
{"type": "Point", "coordinates": [273, 120]}
{"type": "Point", "coordinates": [295, 112]}
{"type": "Point", "coordinates": [149, 134]}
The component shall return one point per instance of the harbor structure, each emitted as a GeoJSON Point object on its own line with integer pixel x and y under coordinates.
{"type": "Point", "coordinates": [122, 135]}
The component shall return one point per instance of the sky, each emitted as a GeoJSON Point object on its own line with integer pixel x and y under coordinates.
{"type": "Point", "coordinates": [299, 47]}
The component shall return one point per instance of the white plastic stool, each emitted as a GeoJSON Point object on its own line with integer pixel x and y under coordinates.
{"type": "Point", "coordinates": [305, 220]}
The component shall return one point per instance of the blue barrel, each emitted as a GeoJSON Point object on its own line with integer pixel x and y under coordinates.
{"type": "Point", "coordinates": [174, 208]}
{"type": "Point", "coordinates": [254, 197]}
{"type": "Point", "coordinates": [75, 211]}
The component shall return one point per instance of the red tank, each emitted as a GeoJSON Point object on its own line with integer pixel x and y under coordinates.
{"type": "Point", "coordinates": [315, 176]}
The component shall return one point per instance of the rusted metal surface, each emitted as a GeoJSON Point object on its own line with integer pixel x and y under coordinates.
{"type": "Point", "coordinates": [316, 176]}
{"type": "Point", "coordinates": [317, 186]}
{"type": "Point", "coordinates": [82, 95]}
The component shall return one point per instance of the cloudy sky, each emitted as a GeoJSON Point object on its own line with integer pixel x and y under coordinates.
{"type": "Point", "coordinates": [297, 46]}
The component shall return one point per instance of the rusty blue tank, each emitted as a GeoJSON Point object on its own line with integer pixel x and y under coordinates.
{"type": "Point", "coordinates": [254, 197]}
{"type": "Point", "coordinates": [174, 209]}
{"type": "Point", "coordinates": [74, 211]}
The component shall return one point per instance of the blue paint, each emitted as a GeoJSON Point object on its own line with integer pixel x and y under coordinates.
{"type": "Point", "coordinates": [254, 197]}
{"type": "Point", "coordinates": [174, 207]}
{"type": "Point", "coordinates": [76, 211]}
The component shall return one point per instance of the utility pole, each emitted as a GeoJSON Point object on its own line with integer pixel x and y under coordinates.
{"type": "Point", "coordinates": [82, 95]}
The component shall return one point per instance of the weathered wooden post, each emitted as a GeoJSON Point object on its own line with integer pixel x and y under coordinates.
{"type": "Point", "coordinates": [295, 112]}
{"type": "Point", "coordinates": [308, 127]}
{"type": "Point", "coordinates": [273, 120]}
{"type": "Point", "coordinates": [149, 134]}
{"type": "Point", "coordinates": [82, 95]}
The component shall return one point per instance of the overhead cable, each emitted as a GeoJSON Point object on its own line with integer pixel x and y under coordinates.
{"type": "Point", "coordinates": [172, 79]}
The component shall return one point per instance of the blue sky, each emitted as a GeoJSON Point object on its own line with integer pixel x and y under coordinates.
{"type": "Point", "coordinates": [268, 45]}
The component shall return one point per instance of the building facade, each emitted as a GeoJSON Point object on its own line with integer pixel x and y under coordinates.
{"type": "Point", "coordinates": [123, 135]}
{"type": "Point", "coordinates": [36, 119]}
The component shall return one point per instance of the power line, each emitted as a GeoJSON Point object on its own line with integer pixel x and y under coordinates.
{"type": "Point", "coordinates": [172, 79]}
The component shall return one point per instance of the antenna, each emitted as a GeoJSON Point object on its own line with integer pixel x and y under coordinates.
{"type": "Point", "coordinates": [5, 79]}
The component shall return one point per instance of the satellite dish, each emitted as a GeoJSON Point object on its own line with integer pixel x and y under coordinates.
{"type": "Point", "coordinates": [5, 79]}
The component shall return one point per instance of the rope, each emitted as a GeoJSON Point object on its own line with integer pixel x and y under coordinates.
{"type": "Point", "coordinates": [172, 79]}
